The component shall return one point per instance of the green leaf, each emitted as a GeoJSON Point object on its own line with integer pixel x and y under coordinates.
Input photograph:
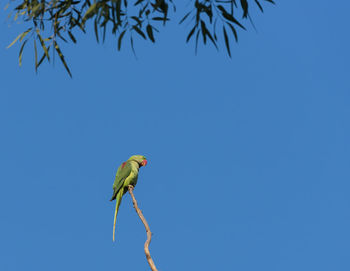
{"type": "Point", "coordinates": [96, 30]}
{"type": "Point", "coordinates": [212, 39]}
{"type": "Point", "coordinates": [42, 58]}
{"type": "Point", "coordinates": [90, 12]}
{"type": "Point", "coordinates": [244, 5]}
{"type": "Point", "coordinates": [197, 36]}
{"type": "Point", "coordinates": [36, 56]}
{"type": "Point", "coordinates": [21, 52]}
{"type": "Point", "coordinates": [185, 17]}
{"type": "Point", "coordinates": [227, 41]}
{"type": "Point", "coordinates": [233, 31]}
{"type": "Point", "coordinates": [204, 32]}
{"type": "Point", "coordinates": [72, 37]}
{"type": "Point", "coordinates": [104, 33]}
{"type": "Point", "coordinates": [46, 51]}
{"type": "Point", "coordinates": [191, 33]}
{"type": "Point", "coordinates": [61, 37]}
{"type": "Point", "coordinates": [160, 19]}
{"type": "Point", "coordinates": [138, 2]}
{"type": "Point", "coordinates": [120, 40]}
{"type": "Point", "coordinates": [35, 9]}
{"type": "Point", "coordinates": [138, 30]}
{"type": "Point", "coordinates": [19, 36]}
{"type": "Point", "coordinates": [259, 5]}
{"type": "Point", "coordinates": [25, 34]}
{"type": "Point", "coordinates": [118, 10]}
{"type": "Point", "coordinates": [229, 17]}
{"type": "Point", "coordinates": [58, 50]}
{"type": "Point", "coordinates": [150, 33]}
{"type": "Point", "coordinates": [139, 22]}
{"type": "Point", "coordinates": [132, 45]}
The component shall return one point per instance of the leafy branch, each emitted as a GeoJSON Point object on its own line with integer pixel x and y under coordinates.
{"type": "Point", "coordinates": [56, 21]}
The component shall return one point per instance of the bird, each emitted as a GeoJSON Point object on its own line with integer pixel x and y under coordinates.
{"type": "Point", "coordinates": [127, 174]}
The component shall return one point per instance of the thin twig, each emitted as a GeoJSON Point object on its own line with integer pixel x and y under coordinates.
{"type": "Point", "coordinates": [148, 230]}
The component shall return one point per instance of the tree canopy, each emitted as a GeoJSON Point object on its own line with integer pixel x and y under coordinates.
{"type": "Point", "coordinates": [51, 22]}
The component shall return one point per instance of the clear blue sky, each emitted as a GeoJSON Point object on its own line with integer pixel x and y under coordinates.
{"type": "Point", "coordinates": [248, 158]}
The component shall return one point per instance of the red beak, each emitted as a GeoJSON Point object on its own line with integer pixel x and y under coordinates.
{"type": "Point", "coordinates": [144, 162]}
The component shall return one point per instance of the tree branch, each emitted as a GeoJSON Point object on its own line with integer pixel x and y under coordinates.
{"type": "Point", "coordinates": [148, 230]}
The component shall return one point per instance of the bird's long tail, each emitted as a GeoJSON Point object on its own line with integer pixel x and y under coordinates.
{"type": "Point", "coordinates": [118, 201]}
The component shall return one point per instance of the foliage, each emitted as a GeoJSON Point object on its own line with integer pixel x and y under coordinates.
{"type": "Point", "coordinates": [54, 21]}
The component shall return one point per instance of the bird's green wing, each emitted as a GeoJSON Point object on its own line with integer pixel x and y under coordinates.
{"type": "Point", "coordinates": [123, 172]}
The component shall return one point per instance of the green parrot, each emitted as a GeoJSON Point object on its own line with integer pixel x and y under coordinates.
{"type": "Point", "coordinates": [126, 175]}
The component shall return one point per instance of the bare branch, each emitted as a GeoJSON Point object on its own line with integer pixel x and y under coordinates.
{"type": "Point", "coordinates": [148, 230]}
